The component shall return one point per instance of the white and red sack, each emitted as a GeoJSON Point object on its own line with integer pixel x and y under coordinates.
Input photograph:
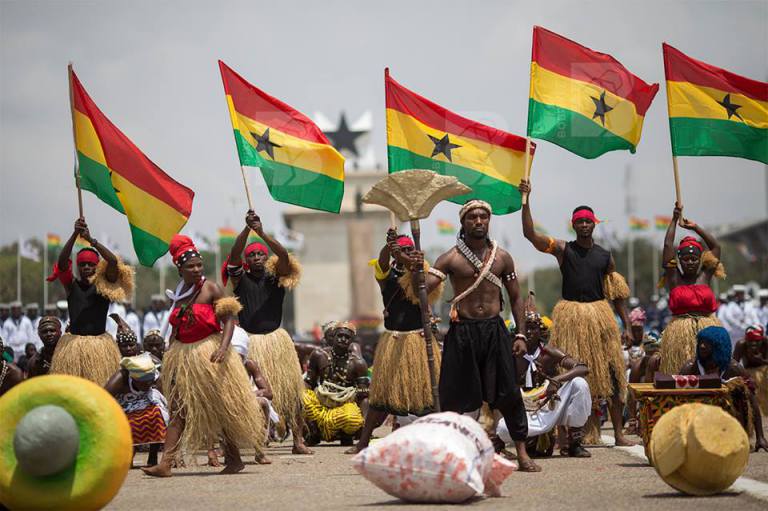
{"type": "Point", "coordinates": [443, 457]}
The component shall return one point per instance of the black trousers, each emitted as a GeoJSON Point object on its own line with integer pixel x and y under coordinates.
{"type": "Point", "coordinates": [478, 365]}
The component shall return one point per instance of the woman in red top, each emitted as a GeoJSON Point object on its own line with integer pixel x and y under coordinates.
{"type": "Point", "coordinates": [207, 385]}
{"type": "Point", "coordinates": [687, 273]}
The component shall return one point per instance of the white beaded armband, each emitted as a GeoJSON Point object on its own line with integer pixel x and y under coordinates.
{"type": "Point", "coordinates": [437, 273]}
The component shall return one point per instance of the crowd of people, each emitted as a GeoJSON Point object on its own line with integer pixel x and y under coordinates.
{"type": "Point", "coordinates": [216, 368]}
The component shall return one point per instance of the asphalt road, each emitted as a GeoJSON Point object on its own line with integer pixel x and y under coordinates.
{"type": "Point", "coordinates": [612, 478]}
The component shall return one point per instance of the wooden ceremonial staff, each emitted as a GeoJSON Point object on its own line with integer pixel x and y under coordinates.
{"type": "Point", "coordinates": [678, 194]}
{"type": "Point", "coordinates": [74, 141]}
{"type": "Point", "coordinates": [411, 195]}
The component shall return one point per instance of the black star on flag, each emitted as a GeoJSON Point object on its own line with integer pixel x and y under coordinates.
{"type": "Point", "coordinates": [263, 143]}
{"type": "Point", "coordinates": [601, 108]}
{"type": "Point", "coordinates": [113, 184]}
{"type": "Point", "coordinates": [443, 145]}
{"type": "Point", "coordinates": [344, 138]}
{"type": "Point", "coordinates": [730, 108]}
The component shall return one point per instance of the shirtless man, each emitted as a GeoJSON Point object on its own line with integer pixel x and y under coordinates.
{"type": "Point", "coordinates": [478, 352]}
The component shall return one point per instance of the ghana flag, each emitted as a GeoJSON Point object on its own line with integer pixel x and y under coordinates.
{"type": "Point", "coordinates": [582, 100]}
{"type": "Point", "coordinates": [424, 135]}
{"type": "Point", "coordinates": [298, 163]}
{"type": "Point", "coordinates": [119, 174]}
{"type": "Point", "coordinates": [713, 112]}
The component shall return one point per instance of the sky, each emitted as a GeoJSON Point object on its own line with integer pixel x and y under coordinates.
{"type": "Point", "coordinates": [151, 66]}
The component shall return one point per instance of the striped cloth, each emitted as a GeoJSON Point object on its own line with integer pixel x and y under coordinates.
{"type": "Point", "coordinates": [346, 419]}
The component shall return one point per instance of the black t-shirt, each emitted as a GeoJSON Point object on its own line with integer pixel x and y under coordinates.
{"type": "Point", "coordinates": [87, 310]}
{"type": "Point", "coordinates": [401, 314]}
{"type": "Point", "coordinates": [262, 301]}
{"type": "Point", "coordinates": [583, 271]}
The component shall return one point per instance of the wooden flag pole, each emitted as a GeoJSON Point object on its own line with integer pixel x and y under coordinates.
{"type": "Point", "coordinates": [247, 189]}
{"type": "Point", "coordinates": [74, 141]}
{"type": "Point", "coordinates": [527, 172]}
{"type": "Point", "coordinates": [678, 195]}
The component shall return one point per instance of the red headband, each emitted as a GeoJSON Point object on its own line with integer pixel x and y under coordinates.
{"type": "Point", "coordinates": [754, 334]}
{"type": "Point", "coordinates": [584, 213]}
{"type": "Point", "coordinates": [405, 241]}
{"type": "Point", "coordinates": [690, 241]}
{"type": "Point", "coordinates": [181, 245]}
{"type": "Point", "coordinates": [87, 255]}
{"type": "Point", "coordinates": [254, 247]}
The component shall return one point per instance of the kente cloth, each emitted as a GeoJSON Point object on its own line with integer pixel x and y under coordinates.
{"type": "Point", "coordinates": [571, 410]}
{"type": "Point", "coordinates": [346, 419]}
{"type": "Point", "coordinates": [147, 414]}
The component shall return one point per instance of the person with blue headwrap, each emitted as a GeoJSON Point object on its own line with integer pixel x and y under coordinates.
{"type": "Point", "coordinates": [713, 356]}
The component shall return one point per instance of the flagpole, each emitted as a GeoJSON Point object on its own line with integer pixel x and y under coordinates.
{"type": "Point", "coordinates": [161, 271]}
{"type": "Point", "coordinates": [631, 264]}
{"type": "Point", "coordinates": [218, 262]}
{"type": "Point", "coordinates": [74, 141]}
{"type": "Point", "coordinates": [45, 272]}
{"type": "Point", "coordinates": [654, 264]}
{"type": "Point", "coordinates": [247, 189]}
{"type": "Point", "coordinates": [527, 170]}
{"type": "Point", "coordinates": [18, 271]}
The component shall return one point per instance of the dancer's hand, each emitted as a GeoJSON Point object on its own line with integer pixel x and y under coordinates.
{"type": "Point", "coordinates": [518, 347]}
{"type": "Point", "coordinates": [525, 187]}
{"type": "Point", "coordinates": [253, 221]}
{"type": "Point", "coordinates": [677, 212]}
{"type": "Point", "coordinates": [417, 260]}
{"type": "Point", "coordinates": [688, 224]}
{"type": "Point", "coordinates": [217, 357]}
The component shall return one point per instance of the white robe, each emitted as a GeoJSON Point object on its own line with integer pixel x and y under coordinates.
{"type": "Point", "coordinates": [17, 333]}
{"type": "Point", "coordinates": [571, 410]}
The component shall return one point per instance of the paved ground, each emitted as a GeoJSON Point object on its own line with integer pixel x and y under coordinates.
{"type": "Point", "coordinates": [611, 478]}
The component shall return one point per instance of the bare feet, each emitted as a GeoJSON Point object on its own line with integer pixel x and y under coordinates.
{"type": "Point", "coordinates": [233, 468]}
{"type": "Point", "coordinates": [527, 466]}
{"type": "Point", "coordinates": [161, 470]}
{"type": "Point", "coordinates": [213, 459]}
{"type": "Point", "coordinates": [302, 449]}
{"type": "Point", "coordinates": [354, 449]}
{"type": "Point", "coordinates": [622, 441]}
{"type": "Point", "coordinates": [262, 459]}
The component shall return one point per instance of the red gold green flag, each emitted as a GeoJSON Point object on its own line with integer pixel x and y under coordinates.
{"type": "Point", "coordinates": [227, 235]}
{"type": "Point", "coordinates": [424, 135]}
{"type": "Point", "coordinates": [662, 222]}
{"type": "Point", "coordinates": [638, 224]}
{"type": "Point", "coordinates": [582, 100]}
{"type": "Point", "coordinates": [53, 241]}
{"type": "Point", "coordinates": [298, 163]}
{"type": "Point", "coordinates": [445, 227]}
{"type": "Point", "coordinates": [713, 112]}
{"type": "Point", "coordinates": [119, 174]}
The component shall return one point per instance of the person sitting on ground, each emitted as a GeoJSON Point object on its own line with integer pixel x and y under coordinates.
{"type": "Point", "coordinates": [135, 388]}
{"type": "Point", "coordinates": [713, 356]}
{"type": "Point", "coordinates": [154, 343]}
{"type": "Point", "coordinates": [49, 331]}
{"type": "Point", "coordinates": [565, 401]}
{"type": "Point", "coordinates": [30, 350]}
{"type": "Point", "coordinates": [752, 353]}
{"type": "Point", "coordinates": [10, 374]}
{"type": "Point", "coordinates": [337, 384]}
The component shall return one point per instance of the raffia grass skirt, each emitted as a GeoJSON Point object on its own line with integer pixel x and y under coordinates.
{"type": "Point", "coordinates": [589, 333]}
{"type": "Point", "coordinates": [678, 340]}
{"type": "Point", "coordinates": [214, 399]}
{"type": "Point", "coordinates": [277, 358]}
{"type": "Point", "coordinates": [93, 357]}
{"type": "Point", "coordinates": [759, 376]}
{"type": "Point", "coordinates": [400, 383]}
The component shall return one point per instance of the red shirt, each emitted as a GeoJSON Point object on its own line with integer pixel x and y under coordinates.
{"type": "Point", "coordinates": [692, 299]}
{"type": "Point", "coordinates": [198, 322]}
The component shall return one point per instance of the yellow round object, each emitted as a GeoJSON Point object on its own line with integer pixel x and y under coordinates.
{"type": "Point", "coordinates": [104, 454]}
{"type": "Point", "coordinates": [699, 449]}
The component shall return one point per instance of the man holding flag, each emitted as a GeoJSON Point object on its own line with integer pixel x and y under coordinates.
{"type": "Point", "coordinates": [584, 323]}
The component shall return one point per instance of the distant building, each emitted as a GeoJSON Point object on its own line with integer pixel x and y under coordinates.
{"type": "Point", "coordinates": [337, 282]}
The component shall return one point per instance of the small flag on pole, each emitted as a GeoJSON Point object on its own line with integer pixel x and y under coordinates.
{"type": "Point", "coordinates": [445, 227]}
{"type": "Point", "coordinates": [662, 222]}
{"type": "Point", "coordinates": [638, 224]}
